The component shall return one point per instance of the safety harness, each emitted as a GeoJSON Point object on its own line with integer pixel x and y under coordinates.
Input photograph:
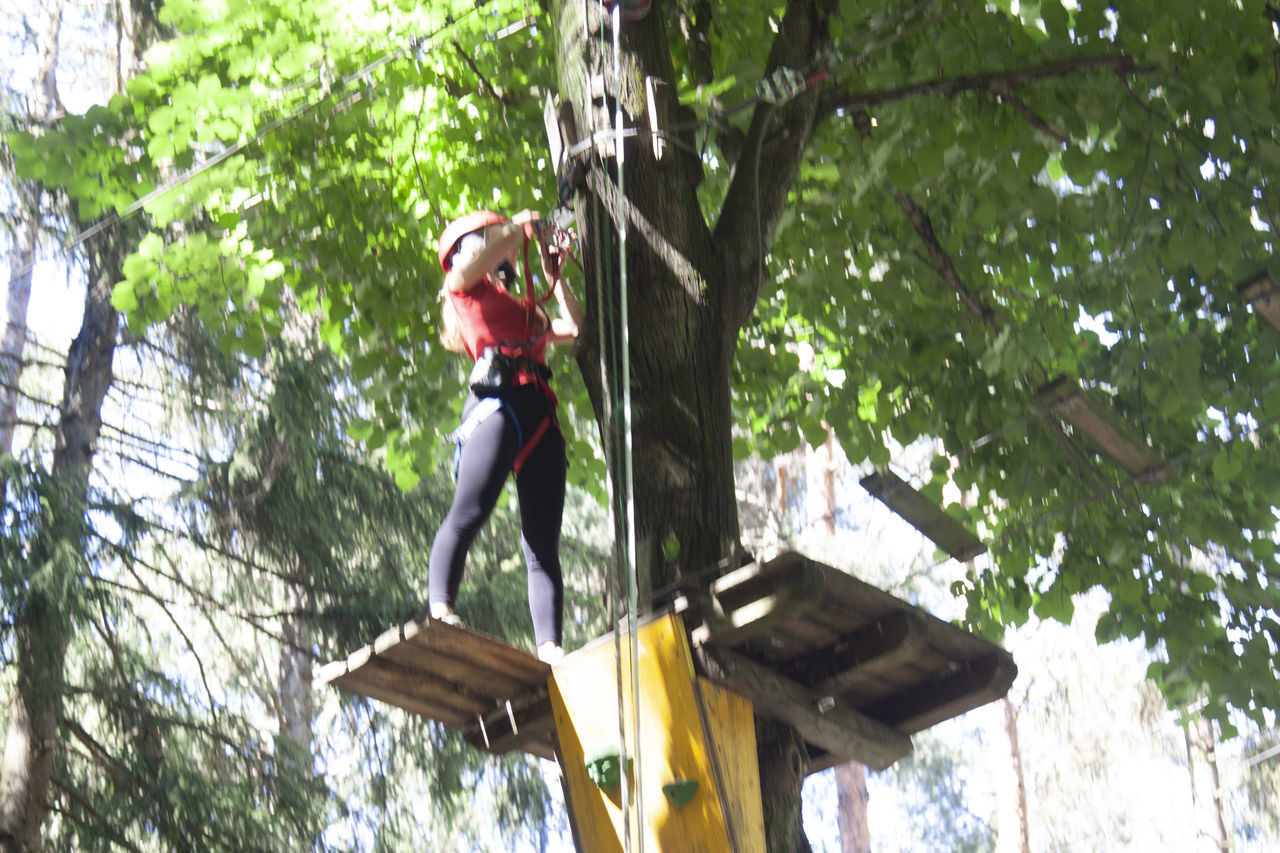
{"type": "Point", "coordinates": [491, 405]}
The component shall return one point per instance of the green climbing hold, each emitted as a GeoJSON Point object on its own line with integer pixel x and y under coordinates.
{"type": "Point", "coordinates": [680, 791]}
{"type": "Point", "coordinates": [604, 767]}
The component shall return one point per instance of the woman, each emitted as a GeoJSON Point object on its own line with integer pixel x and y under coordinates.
{"type": "Point", "coordinates": [510, 425]}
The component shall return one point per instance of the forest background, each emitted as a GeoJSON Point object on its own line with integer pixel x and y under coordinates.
{"type": "Point", "coordinates": [227, 533]}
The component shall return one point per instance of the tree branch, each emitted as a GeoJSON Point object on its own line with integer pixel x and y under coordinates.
{"type": "Point", "coordinates": [1033, 118]}
{"type": "Point", "coordinates": [775, 145]}
{"type": "Point", "coordinates": [475, 69]}
{"type": "Point", "coordinates": [100, 822]}
{"type": "Point", "coordinates": [998, 82]}
{"type": "Point", "coordinates": [695, 28]}
{"type": "Point", "coordinates": [942, 261]}
{"type": "Point", "coordinates": [97, 751]}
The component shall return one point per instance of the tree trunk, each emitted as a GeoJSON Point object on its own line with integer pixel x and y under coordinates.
{"type": "Point", "coordinates": [43, 627]}
{"type": "Point", "coordinates": [296, 710]}
{"type": "Point", "coordinates": [43, 104]}
{"type": "Point", "coordinates": [657, 356]}
{"type": "Point", "coordinates": [783, 762]}
{"type": "Point", "coordinates": [14, 338]}
{"type": "Point", "coordinates": [851, 807]}
{"type": "Point", "coordinates": [820, 486]}
{"type": "Point", "coordinates": [1013, 796]}
{"type": "Point", "coordinates": [680, 495]}
{"type": "Point", "coordinates": [1206, 794]}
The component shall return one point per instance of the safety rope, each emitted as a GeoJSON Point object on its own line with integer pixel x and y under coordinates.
{"type": "Point", "coordinates": [633, 593]}
{"type": "Point", "coordinates": [614, 344]}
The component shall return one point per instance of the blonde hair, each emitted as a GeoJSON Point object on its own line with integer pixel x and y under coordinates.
{"type": "Point", "coordinates": [450, 335]}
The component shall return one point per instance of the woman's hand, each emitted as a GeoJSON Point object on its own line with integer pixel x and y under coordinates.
{"type": "Point", "coordinates": [501, 243]}
{"type": "Point", "coordinates": [552, 262]}
{"type": "Point", "coordinates": [542, 230]}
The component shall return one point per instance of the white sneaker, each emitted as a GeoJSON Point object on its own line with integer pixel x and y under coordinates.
{"type": "Point", "coordinates": [447, 616]}
{"type": "Point", "coordinates": [550, 653]}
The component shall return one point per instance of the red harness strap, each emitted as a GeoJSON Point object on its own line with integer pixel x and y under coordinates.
{"type": "Point", "coordinates": [534, 302]}
{"type": "Point", "coordinates": [530, 444]}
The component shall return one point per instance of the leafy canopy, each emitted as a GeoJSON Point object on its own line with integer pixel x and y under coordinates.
{"type": "Point", "coordinates": [997, 195]}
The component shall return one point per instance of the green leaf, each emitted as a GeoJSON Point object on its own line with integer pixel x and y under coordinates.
{"type": "Point", "coordinates": [123, 298]}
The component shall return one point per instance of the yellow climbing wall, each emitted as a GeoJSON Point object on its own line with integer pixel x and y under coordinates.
{"type": "Point", "coordinates": [678, 710]}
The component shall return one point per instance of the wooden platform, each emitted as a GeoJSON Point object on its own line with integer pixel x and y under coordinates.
{"type": "Point", "coordinates": [856, 670]}
{"type": "Point", "coordinates": [493, 693]}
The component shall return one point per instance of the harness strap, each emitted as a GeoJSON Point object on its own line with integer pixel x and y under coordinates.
{"type": "Point", "coordinates": [478, 414]}
{"type": "Point", "coordinates": [481, 412]}
{"type": "Point", "coordinates": [523, 455]}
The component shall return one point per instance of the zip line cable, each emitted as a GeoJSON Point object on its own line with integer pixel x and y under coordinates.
{"type": "Point", "coordinates": [413, 45]}
{"type": "Point", "coordinates": [776, 91]}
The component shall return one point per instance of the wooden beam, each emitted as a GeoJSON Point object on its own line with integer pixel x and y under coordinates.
{"type": "Point", "coordinates": [944, 531]}
{"type": "Point", "coordinates": [525, 725]}
{"type": "Point", "coordinates": [820, 720]}
{"type": "Point", "coordinates": [1261, 292]}
{"type": "Point", "coordinates": [973, 684]}
{"type": "Point", "coordinates": [732, 619]}
{"type": "Point", "coordinates": [749, 582]}
{"type": "Point", "coordinates": [1092, 417]}
{"type": "Point", "coordinates": [888, 644]}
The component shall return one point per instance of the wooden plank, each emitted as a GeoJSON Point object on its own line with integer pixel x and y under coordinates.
{"type": "Point", "coordinates": [468, 675]}
{"type": "Point", "coordinates": [846, 597]}
{"type": "Point", "coordinates": [942, 640]}
{"type": "Point", "coordinates": [876, 650]}
{"type": "Point", "coordinates": [973, 684]}
{"type": "Point", "coordinates": [820, 719]}
{"type": "Point", "coordinates": [669, 743]}
{"type": "Point", "coordinates": [1095, 419]}
{"type": "Point", "coordinates": [754, 580]}
{"type": "Point", "coordinates": [790, 599]}
{"type": "Point", "coordinates": [487, 653]}
{"type": "Point", "coordinates": [776, 647]}
{"type": "Point", "coordinates": [357, 683]}
{"type": "Point", "coordinates": [731, 721]}
{"type": "Point", "coordinates": [424, 685]}
{"type": "Point", "coordinates": [943, 530]}
{"type": "Point", "coordinates": [1261, 292]}
{"type": "Point", "coordinates": [820, 759]}
{"type": "Point", "coordinates": [422, 668]}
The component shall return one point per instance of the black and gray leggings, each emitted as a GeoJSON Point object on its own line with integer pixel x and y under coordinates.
{"type": "Point", "coordinates": [483, 465]}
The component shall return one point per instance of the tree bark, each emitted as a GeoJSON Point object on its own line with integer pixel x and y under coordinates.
{"type": "Point", "coordinates": [783, 760]}
{"type": "Point", "coordinates": [688, 292]}
{"type": "Point", "coordinates": [14, 338]}
{"type": "Point", "coordinates": [1206, 793]}
{"type": "Point", "coordinates": [851, 807]}
{"type": "Point", "coordinates": [43, 627]}
{"type": "Point", "coordinates": [1014, 797]}
{"type": "Point", "coordinates": [296, 710]}
{"type": "Point", "coordinates": [43, 104]}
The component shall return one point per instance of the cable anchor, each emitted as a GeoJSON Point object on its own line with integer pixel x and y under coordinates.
{"type": "Point", "coordinates": [781, 86]}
